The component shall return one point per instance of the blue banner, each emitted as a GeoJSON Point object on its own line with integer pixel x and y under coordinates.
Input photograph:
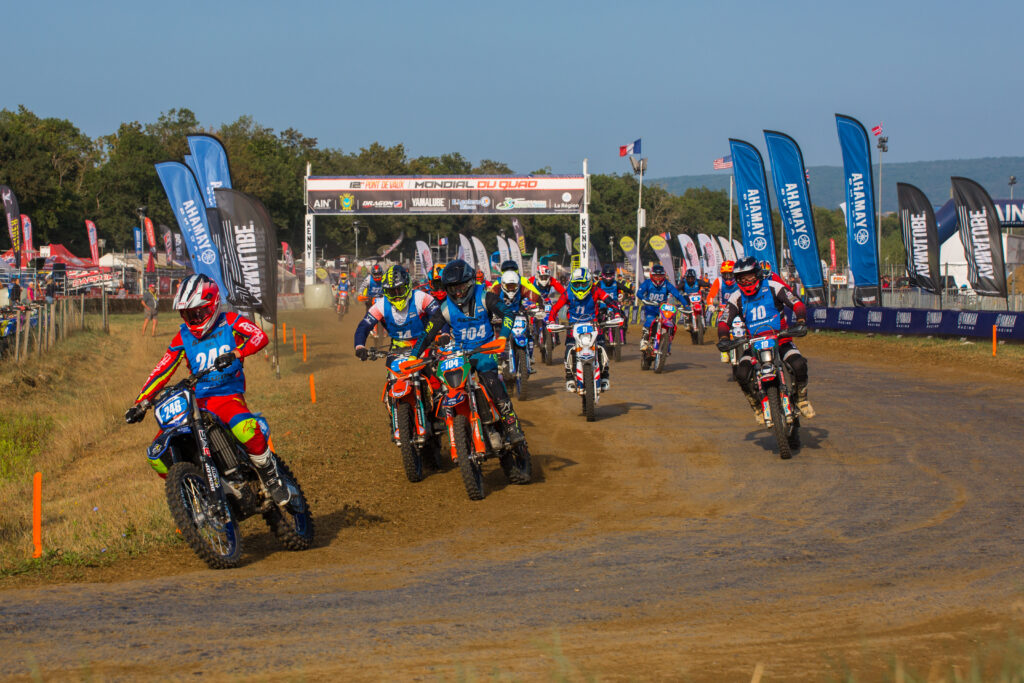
{"type": "Point", "coordinates": [755, 206]}
{"type": "Point", "coordinates": [187, 205]}
{"type": "Point", "coordinates": [1008, 324]}
{"type": "Point", "coordinates": [210, 165]}
{"type": "Point", "coordinates": [861, 234]}
{"type": "Point", "coordinates": [190, 161]}
{"type": "Point", "coordinates": [790, 180]}
{"type": "Point", "coordinates": [138, 242]}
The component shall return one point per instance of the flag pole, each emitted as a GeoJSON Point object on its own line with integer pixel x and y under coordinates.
{"type": "Point", "coordinates": [730, 208]}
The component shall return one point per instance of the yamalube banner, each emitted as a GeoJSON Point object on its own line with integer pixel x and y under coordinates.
{"type": "Point", "coordinates": [458, 195]}
{"type": "Point", "coordinates": [790, 180]}
{"type": "Point", "coordinates": [861, 240]}
{"type": "Point", "coordinates": [983, 241]}
{"type": "Point", "coordinates": [920, 237]}
{"type": "Point", "coordinates": [250, 251]}
{"type": "Point", "coordinates": [755, 206]}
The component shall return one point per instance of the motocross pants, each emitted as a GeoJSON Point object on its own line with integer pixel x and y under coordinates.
{"type": "Point", "coordinates": [233, 412]}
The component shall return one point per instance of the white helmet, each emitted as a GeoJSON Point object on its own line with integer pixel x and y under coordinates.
{"type": "Point", "coordinates": [509, 283]}
{"type": "Point", "coordinates": [543, 274]}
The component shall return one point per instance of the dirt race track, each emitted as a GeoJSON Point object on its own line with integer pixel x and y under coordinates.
{"type": "Point", "coordinates": [665, 541]}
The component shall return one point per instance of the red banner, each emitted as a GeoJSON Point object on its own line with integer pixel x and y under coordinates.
{"type": "Point", "coordinates": [26, 240]}
{"type": "Point", "coordinates": [93, 245]}
{"type": "Point", "coordinates": [832, 250]}
{"type": "Point", "coordinates": [150, 235]}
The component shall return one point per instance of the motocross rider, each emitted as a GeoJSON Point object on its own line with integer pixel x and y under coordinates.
{"type": "Point", "coordinates": [761, 303]}
{"type": "Point", "coordinates": [582, 307]}
{"type": "Point", "coordinates": [468, 309]}
{"type": "Point", "coordinates": [206, 338]}
{"type": "Point", "coordinates": [371, 288]}
{"type": "Point", "coordinates": [657, 289]}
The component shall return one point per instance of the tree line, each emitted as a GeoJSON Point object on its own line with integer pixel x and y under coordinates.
{"type": "Point", "coordinates": [62, 177]}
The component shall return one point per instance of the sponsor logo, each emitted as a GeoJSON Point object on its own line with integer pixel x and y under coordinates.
{"type": "Point", "coordinates": [934, 319]}
{"type": "Point", "coordinates": [348, 202]}
{"type": "Point", "coordinates": [820, 314]}
{"type": "Point", "coordinates": [1006, 321]}
{"type": "Point", "coordinates": [323, 204]}
{"type": "Point", "coordinates": [874, 318]}
{"type": "Point", "coordinates": [903, 319]}
{"type": "Point", "coordinates": [382, 203]}
{"type": "Point", "coordinates": [563, 206]}
{"type": "Point", "coordinates": [657, 242]}
{"type": "Point", "coordinates": [427, 203]}
{"type": "Point", "coordinates": [442, 185]}
{"type": "Point", "coordinates": [472, 204]}
{"type": "Point", "coordinates": [510, 203]}
{"type": "Point", "coordinates": [803, 241]}
{"type": "Point", "coordinates": [967, 320]}
{"type": "Point", "coordinates": [566, 197]}
{"type": "Point", "coordinates": [861, 236]}
{"type": "Point", "coordinates": [208, 257]}
{"type": "Point", "coordinates": [760, 244]}
{"type": "Point", "coordinates": [845, 317]}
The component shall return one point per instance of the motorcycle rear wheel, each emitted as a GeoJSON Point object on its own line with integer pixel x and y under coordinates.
{"type": "Point", "coordinates": [294, 529]}
{"type": "Point", "coordinates": [779, 423]}
{"type": "Point", "coordinates": [517, 465]}
{"type": "Point", "coordinates": [548, 350]}
{"type": "Point", "coordinates": [469, 467]}
{"type": "Point", "coordinates": [218, 545]}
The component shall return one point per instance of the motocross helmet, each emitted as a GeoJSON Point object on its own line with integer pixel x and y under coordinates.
{"type": "Point", "coordinates": [397, 287]}
{"type": "Point", "coordinates": [748, 275]}
{"type": "Point", "coordinates": [197, 301]}
{"type": "Point", "coordinates": [479, 277]}
{"type": "Point", "coordinates": [543, 275]}
{"type": "Point", "coordinates": [658, 275]}
{"type": "Point", "coordinates": [691, 276]}
{"type": "Point", "coordinates": [608, 273]}
{"type": "Point", "coordinates": [458, 281]}
{"type": "Point", "coordinates": [509, 265]}
{"type": "Point", "coordinates": [726, 270]}
{"type": "Point", "coordinates": [377, 273]}
{"type": "Point", "coordinates": [509, 284]}
{"type": "Point", "coordinates": [580, 283]}
{"type": "Point", "coordinates": [766, 269]}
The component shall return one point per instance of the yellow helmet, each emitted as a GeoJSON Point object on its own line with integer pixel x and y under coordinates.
{"type": "Point", "coordinates": [580, 283]}
{"type": "Point", "coordinates": [397, 287]}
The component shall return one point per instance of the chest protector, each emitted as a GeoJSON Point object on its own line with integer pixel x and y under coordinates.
{"type": "Point", "coordinates": [201, 353]}
{"type": "Point", "coordinates": [690, 289]}
{"type": "Point", "coordinates": [759, 311]}
{"type": "Point", "coordinates": [470, 331]}
{"type": "Point", "coordinates": [581, 311]}
{"type": "Point", "coordinates": [374, 289]}
{"type": "Point", "coordinates": [726, 290]}
{"type": "Point", "coordinates": [405, 324]}
{"type": "Point", "coordinates": [611, 290]}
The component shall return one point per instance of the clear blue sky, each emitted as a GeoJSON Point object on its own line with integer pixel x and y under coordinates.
{"type": "Point", "coordinates": [538, 84]}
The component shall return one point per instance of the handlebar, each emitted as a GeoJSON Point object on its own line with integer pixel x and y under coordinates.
{"type": "Point", "coordinates": [375, 354]}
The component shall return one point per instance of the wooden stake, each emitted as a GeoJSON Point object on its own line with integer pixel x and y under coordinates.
{"type": "Point", "coordinates": [312, 390]}
{"type": "Point", "coordinates": [303, 347]}
{"type": "Point", "coordinates": [37, 514]}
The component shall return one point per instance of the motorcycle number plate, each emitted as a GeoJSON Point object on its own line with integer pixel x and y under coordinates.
{"type": "Point", "coordinates": [764, 344]}
{"type": "Point", "coordinates": [519, 325]}
{"type": "Point", "coordinates": [453, 363]}
{"type": "Point", "coordinates": [584, 329]}
{"type": "Point", "coordinates": [695, 298]}
{"type": "Point", "coordinates": [453, 400]}
{"type": "Point", "coordinates": [172, 410]}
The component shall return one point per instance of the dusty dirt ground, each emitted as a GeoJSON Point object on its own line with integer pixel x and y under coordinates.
{"type": "Point", "coordinates": [666, 541]}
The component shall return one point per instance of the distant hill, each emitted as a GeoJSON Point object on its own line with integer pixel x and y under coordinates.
{"type": "Point", "coordinates": [931, 176]}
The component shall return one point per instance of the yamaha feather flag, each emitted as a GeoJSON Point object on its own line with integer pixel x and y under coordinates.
{"type": "Point", "coordinates": [165, 234]}
{"type": "Point", "coordinates": [211, 166]}
{"type": "Point", "coordinates": [920, 237]}
{"type": "Point", "coordinates": [861, 237]}
{"type": "Point", "coordinates": [187, 205]}
{"type": "Point", "coordinates": [250, 251]}
{"type": "Point", "coordinates": [790, 179]}
{"type": "Point", "coordinates": [137, 234]}
{"type": "Point", "coordinates": [26, 234]}
{"type": "Point", "coordinates": [982, 238]}
{"type": "Point", "coordinates": [755, 207]}
{"type": "Point", "coordinates": [13, 221]}
{"type": "Point", "coordinates": [94, 249]}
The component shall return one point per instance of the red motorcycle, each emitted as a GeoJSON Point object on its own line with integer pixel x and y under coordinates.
{"type": "Point", "coordinates": [694, 319]}
{"type": "Point", "coordinates": [659, 343]}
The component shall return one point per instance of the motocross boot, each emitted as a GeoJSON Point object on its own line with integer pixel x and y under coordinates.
{"type": "Point", "coordinates": [266, 467]}
{"type": "Point", "coordinates": [756, 407]}
{"type": "Point", "coordinates": [511, 423]}
{"type": "Point", "coordinates": [806, 409]}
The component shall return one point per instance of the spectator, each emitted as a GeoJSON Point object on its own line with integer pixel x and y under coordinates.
{"type": "Point", "coordinates": [50, 289]}
{"type": "Point", "coordinates": [149, 303]}
{"type": "Point", "coordinates": [14, 291]}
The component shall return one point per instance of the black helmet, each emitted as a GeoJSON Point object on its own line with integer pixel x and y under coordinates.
{"type": "Point", "coordinates": [509, 265]}
{"type": "Point", "coordinates": [608, 272]}
{"type": "Point", "coordinates": [658, 274]}
{"type": "Point", "coordinates": [459, 281]}
{"type": "Point", "coordinates": [691, 275]}
{"type": "Point", "coordinates": [746, 267]}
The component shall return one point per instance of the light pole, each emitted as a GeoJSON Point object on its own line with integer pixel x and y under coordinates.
{"type": "Point", "coordinates": [883, 146]}
{"type": "Point", "coordinates": [1013, 181]}
{"type": "Point", "coordinates": [355, 226]}
{"type": "Point", "coordinates": [639, 167]}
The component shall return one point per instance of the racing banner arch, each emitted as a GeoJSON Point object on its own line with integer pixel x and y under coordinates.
{"type": "Point", "coordinates": [438, 195]}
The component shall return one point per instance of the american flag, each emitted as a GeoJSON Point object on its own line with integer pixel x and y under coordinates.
{"type": "Point", "coordinates": [722, 163]}
{"type": "Point", "coordinates": [877, 130]}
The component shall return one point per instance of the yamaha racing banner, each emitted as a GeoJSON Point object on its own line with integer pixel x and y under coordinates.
{"type": "Point", "coordinates": [137, 234]}
{"type": "Point", "coordinates": [483, 264]}
{"type": "Point", "coordinates": [94, 249]}
{"type": "Point", "coordinates": [210, 165]}
{"type": "Point", "coordinates": [691, 255]}
{"type": "Point", "coordinates": [861, 237]}
{"type": "Point", "coordinates": [1008, 324]}
{"type": "Point", "coordinates": [660, 247]}
{"type": "Point", "coordinates": [920, 238]}
{"type": "Point", "coordinates": [250, 252]}
{"type": "Point", "coordinates": [189, 210]}
{"type": "Point", "coordinates": [458, 195]}
{"type": "Point", "coordinates": [755, 207]}
{"type": "Point", "coordinates": [26, 234]}
{"type": "Point", "coordinates": [520, 237]}
{"type": "Point", "coordinates": [790, 180]}
{"type": "Point", "coordinates": [13, 221]}
{"type": "Point", "coordinates": [165, 234]}
{"type": "Point", "coordinates": [467, 250]}
{"type": "Point", "coordinates": [983, 241]}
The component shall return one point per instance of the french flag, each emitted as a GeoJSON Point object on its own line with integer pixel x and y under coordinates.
{"type": "Point", "coordinates": [631, 148]}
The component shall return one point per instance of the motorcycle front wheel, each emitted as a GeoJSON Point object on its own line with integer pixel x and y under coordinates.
{"type": "Point", "coordinates": [589, 393]}
{"type": "Point", "coordinates": [469, 467]}
{"type": "Point", "coordinates": [549, 348]}
{"type": "Point", "coordinates": [412, 461]}
{"type": "Point", "coordinates": [779, 423]}
{"type": "Point", "coordinates": [217, 543]}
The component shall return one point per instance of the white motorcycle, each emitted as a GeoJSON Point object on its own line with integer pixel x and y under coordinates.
{"type": "Point", "coordinates": [587, 357]}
